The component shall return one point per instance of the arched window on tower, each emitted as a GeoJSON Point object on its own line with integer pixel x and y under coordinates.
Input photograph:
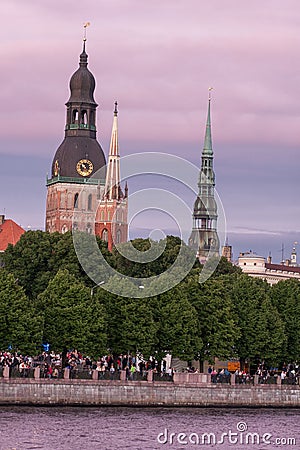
{"type": "Point", "coordinates": [76, 201]}
{"type": "Point", "coordinates": [104, 236]}
{"type": "Point", "coordinates": [90, 200]}
{"type": "Point", "coordinates": [75, 116]}
{"type": "Point", "coordinates": [89, 228]}
{"type": "Point", "coordinates": [84, 119]}
{"type": "Point", "coordinates": [92, 118]}
{"type": "Point", "coordinates": [63, 200]}
{"type": "Point", "coordinates": [102, 216]}
{"type": "Point", "coordinates": [70, 202]}
{"type": "Point", "coordinates": [64, 229]}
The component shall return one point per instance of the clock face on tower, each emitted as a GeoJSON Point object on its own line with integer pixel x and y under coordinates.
{"type": "Point", "coordinates": [84, 167]}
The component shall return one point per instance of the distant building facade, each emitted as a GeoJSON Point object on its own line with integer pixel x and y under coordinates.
{"type": "Point", "coordinates": [10, 232]}
{"type": "Point", "coordinates": [204, 237]}
{"type": "Point", "coordinates": [257, 266]}
{"type": "Point", "coordinates": [227, 252]}
{"type": "Point", "coordinates": [83, 193]}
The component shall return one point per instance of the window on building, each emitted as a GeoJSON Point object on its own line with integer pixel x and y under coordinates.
{"type": "Point", "coordinates": [84, 120]}
{"type": "Point", "coordinates": [75, 116]}
{"type": "Point", "coordinates": [90, 198]}
{"type": "Point", "coordinates": [76, 202]}
{"type": "Point", "coordinates": [92, 118]}
{"type": "Point", "coordinates": [62, 200]}
{"type": "Point", "coordinates": [118, 237]}
{"type": "Point", "coordinates": [104, 236]}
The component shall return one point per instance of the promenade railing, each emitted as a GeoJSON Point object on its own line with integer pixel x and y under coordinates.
{"type": "Point", "coordinates": [221, 378]}
{"type": "Point", "coordinates": [293, 380]}
{"type": "Point", "coordinates": [163, 377]}
{"type": "Point", "coordinates": [87, 373]}
{"type": "Point", "coordinates": [18, 372]}
{"type": "Point", "coordinates": [80, 373]}
{"type": "Point", "coordinates": [268, 379]}
{"type": "Point", "coordinates": [108, 375]}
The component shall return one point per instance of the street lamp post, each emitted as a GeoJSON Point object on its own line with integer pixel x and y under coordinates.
{"type": "Point", "coordinates": [94, 287]}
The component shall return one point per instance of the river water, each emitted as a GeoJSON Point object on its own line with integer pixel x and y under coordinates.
{"type": "Point", "coordinates": [103, 428]}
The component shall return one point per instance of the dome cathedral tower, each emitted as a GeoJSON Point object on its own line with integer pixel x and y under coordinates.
{"type": "Point", "coordinates": [78, 170]}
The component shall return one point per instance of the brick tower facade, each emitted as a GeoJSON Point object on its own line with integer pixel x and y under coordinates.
{"type": "Point", "coordinates": [78, 194]}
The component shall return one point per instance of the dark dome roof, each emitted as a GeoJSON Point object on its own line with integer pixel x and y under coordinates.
{"type": "Point", "coordinates": [72, 150]}
{"type": "Point", "coordinates": [82, 83]}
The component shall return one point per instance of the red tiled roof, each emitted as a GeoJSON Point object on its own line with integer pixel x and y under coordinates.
{"type": "Point", "coordinates": [10, 233]}
{"type": "Point", "coordinates": [281, 267]}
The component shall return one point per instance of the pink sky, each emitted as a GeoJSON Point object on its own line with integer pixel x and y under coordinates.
{"type": "Point", "coordinates": [158, 59]}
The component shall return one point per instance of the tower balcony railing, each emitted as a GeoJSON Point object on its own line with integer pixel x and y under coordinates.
{"type": "Point", "coordinates": [60, 179]}
{"type": "Point", "coordinates": [80, 126]}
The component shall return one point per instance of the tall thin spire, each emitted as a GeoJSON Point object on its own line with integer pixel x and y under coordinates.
{"type": "Point", "coordinates": [112, 183]}
{"type": "Point", "coordinates": [204, 237]}
{"type": "Point", "coordinates": [207, 149]}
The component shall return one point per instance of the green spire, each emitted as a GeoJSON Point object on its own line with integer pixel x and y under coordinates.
{"type": "Point", "coordinates": [207, 149]}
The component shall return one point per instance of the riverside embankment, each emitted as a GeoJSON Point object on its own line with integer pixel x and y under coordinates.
{"type": "Point", "coordinates": [144, 393]}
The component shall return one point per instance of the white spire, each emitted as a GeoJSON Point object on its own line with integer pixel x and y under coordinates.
{"type": "Point", "coordinates": [294, 255]}
{"type": "Point", "coordinates": [112, 183]}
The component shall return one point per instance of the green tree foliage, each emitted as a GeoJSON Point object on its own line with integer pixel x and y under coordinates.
{"type": "Point", "coordinates": [21, 326]}
{"type": "Point", "coordinates": [179, 326]}
{"type": "Point", "coordinates": [162, 256]}
{"type": "Point", "coordinates": [271, 347]}
{"type": "Point", "coordinates": [247, 295]}
{"type": "Point", "coordinates": [262, 330]}
{"type": "Point", "coordinates": [218, 329]}
{"type": "Point", "coordinates": [38, 256]}
{"type": "Point", "coordinates": [230, 314]}
{"type": "Point", "coordinates": [72, 319]}
{"type": "Point", "coordinates": [225, 267]}
{"type": "Point", "coordinates": [131, 325]}
{"type": "Point", "coordinates": [138, 330]}
{"type": "Point", "coordinates": [286, 298]}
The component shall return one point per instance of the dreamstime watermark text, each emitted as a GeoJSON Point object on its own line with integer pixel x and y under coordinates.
{"type": "Point", "coordinates": [240, 436]}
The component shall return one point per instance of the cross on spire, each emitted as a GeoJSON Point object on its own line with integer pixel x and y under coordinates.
{"type": "Point", "coordinates": [87, 24]}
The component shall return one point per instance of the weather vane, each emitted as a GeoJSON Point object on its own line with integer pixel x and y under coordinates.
{"type": "Point", "coordinates": [209, 93]}
{"type": "Point", "coordinates": [87, 24]}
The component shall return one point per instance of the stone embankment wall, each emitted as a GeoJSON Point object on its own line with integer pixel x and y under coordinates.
{"type": "Point", "coordinates": [143, 393]}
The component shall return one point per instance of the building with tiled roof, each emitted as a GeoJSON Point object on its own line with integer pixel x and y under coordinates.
{"type": "Point", "coordinates": [257, 266]}
{"type": "Point", "coordinates": [10, 232]}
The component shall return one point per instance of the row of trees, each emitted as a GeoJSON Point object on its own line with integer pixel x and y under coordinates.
{"type": "Point", "coordinates": [46, 297]}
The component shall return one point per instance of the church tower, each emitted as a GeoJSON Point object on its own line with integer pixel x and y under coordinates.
{"type": "Point", "coordinates": [111, 219]}
{"type": "Point", "coordinates": [75, 189]}
{"type": "Point", "coordinates": [204, 237]}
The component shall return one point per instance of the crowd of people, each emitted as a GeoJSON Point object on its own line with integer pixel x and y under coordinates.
{"type": "Point", "coordinates": [289, 374]}
{"type": "Point", "coordinates": [51, 366]}
{"type": "Point", "coordinates": [219, 376]}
